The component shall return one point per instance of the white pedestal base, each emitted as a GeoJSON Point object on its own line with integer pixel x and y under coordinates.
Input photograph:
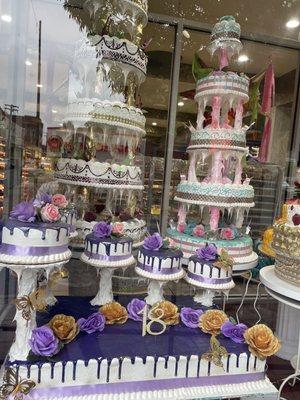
{"type": "Point", "coordinates": [155, 292]}
{"type": "Point", "coordinates": [287, 329]}
{"type": "Point", "coordinates": [105, 292]}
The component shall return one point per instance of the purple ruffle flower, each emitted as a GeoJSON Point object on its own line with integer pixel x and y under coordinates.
{"type": "Point", "coordinates": [102, 229]}
{"type": "Point", "coordinates": [153, 242]}
{"type": "Point", "coordinates": [234, 332]}
{"type": "Point", "coordinates": [190, 317]}
{"type": "Point", "coordinates": [94, 323]}
{"type": "Point", "coordinates": [42, 199]}
{"type": "Point", "coordinates": [43, 342]}
{"type": "Point", "coordinates": [207, 253]}
{"type": "Point", "coordinates": [24, 212]}
{"type": "Point", "coordinates": [134, 309]}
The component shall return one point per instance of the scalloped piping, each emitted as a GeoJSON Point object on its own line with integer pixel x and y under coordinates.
{"type": "Point", "coordinates": [108, 264]}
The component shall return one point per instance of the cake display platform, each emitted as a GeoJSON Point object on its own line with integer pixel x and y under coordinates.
{"type": "Point", "coordinates": [277, 285]}
{"type": "Point", "coordinates": [119, 363]}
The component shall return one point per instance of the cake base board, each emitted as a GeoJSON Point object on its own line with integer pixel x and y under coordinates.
{"type": "Point", "coordinates": [161, 278]}
{"type": "Point", "coordinates": [113, 264]}
{"type": "Point", "coordinates": [202, 285]}
{"type": "Point", "coordinates": [34, 266]}
{"type": "Point", "coordinates": [259, 388]}
{"type": "Point", "coordinates": [269, 278]}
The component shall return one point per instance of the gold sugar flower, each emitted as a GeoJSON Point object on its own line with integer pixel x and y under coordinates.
{"type": "Point", "coordinates": [114, 313]}
{"type": "Point", "coordinates": [64, 327]}
{"type": "Point", "coordinates": [211, 321]}
{"type": "Point", "coordinates": [261, 340]}
{"type": "Point", "coordinates": [166, 312]}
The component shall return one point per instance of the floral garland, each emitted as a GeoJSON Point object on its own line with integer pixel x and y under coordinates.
{"type": "Point", "coordinates": [48, 340]}
{"type": "Point", "coordinates": [44, 208]}
{"type": "Point", "coordinates": [199, 230]}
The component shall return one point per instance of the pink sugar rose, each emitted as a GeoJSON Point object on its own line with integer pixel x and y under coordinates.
{"type": "Point", "coordinates": [118, 228]}
{"type": "Point", "coordinates": [199, 231]}
{"type": "Point", "coordinates": [181, 227]}
{"type": "Point", "coordinates": [227, 233]}
{"type": "Point", "coordinates": [59, 200]}
{"type": "Point", "coordinates": [50, 213]}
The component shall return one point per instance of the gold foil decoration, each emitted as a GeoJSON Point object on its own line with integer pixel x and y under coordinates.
{"type": "Point", "coordinates": [64, 327]}
{"type": "Point", "coordinates": [216, 352]}
{"type": "Point", "coordinates": [114, 313]}
{"type": "Point", "coordinates": [224, 261]}
{"type": "Point", "coordinates": [262, 341]}
{"type": "Point", "coordinates": [13, 387]}
{"type": "Point", "coordinates": [211, 321]}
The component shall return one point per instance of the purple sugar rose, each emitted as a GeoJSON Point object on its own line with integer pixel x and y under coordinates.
{"type": "Point", "coordinates": [102, 229]}
{"type": "Point", "coordinates": [153, 242]}
{"type": "Point", "coordinates": [134, 309]}
{"type": "Point", "coordinates": [43, 342]}
{"type": "Point", "coordinates": [207, 253]}
{"type": "Point", "coordinates": [234, 332]}
{"type": "Point", "coordinates": [94, 323]}
{"type": "Point", "coordinates": [24, 212]}
{"type": "Point", "coordinates": [190, 317]}
{"type": "Point", "coordinates": [42, 199]}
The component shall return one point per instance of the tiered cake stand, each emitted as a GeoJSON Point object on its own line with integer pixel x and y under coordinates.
{"type": "Point", "coordinates": [105, 112]}
{"type": "Point", "coordinates": [287, 295]}
{"type": "Point", "coordinates": [25, 313]}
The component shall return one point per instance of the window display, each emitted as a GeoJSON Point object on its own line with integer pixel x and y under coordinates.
{"type": "Point", "coordinates": [147, 150]}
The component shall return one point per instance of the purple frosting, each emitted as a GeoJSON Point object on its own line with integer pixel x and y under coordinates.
{"type": "Point", "coordinates": [94, 323]}
{"type": "Point", "coordinates": [207, 253]}
{"type": "Point", "coordinates": [24, 212]}
{"type": "Point", "coordinates": [153, 242]}
{"type": "Point", "coordinates": [102, 229]}
{"type": "Point", "coordinates": [43, 342]}
{"type": "Point", "coordinates": [134, 309]}
{"type": "Point", "coordinates": [234, 332]}
{"type": "Point", "coordinates": [42, 199]}
{"type": "Point", "coordinates": [190, 317]}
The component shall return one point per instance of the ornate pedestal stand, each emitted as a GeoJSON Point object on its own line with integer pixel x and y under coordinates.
{"type": "Point", "coordinates": [25, 313]}
{"type": "Point", "coordinates": [289, 296]}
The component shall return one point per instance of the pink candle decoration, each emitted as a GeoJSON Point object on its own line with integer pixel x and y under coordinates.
{"type": "Point", "coordinates": [214, 218]}
{"type": "Point", "coordinates": [215, 114]}
{"type": "Point", "coordinates": [223, 58]}
{"type": "Point", "coordinates": [192, 169]}
{"type": "Point", "coordinates": [181, 214]}
{"type": "Point", "coordinates": [239, 115]}
{"type": "Point", "coordinates": [238, 173]}
{"type": "Point", "coordinates": [217, 168]}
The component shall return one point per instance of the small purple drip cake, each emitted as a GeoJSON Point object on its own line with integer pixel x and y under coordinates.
{"type": "Point", "coordinates": [103, 248]}
{"type": "Point", "coordinates": [207, 269]}
{"type": "Point", "coordinates": [34, 234]}
{"type": "Point", "coordinates": [157, 260]}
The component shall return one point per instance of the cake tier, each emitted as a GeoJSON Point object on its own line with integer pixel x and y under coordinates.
{"type": "Point", "coordinates": [97, 174]}
{"type": "Point", "coordinates": [118, 115]}
{"type": "Point", "coordinates": [286, 239]}
{"type": "Point", "coordinates": [163, 264]}
{"type": "Point", "coordinates": [94, 15]}
{"type": "Point", "coordinates": [115, 52]}
{"type": "Point", "coordinates": [121, 360]}
{"type": "Point", "coordinates": [135, 229]}
{"type": "Point", "coordinates": [108, 252]}
{"type": "Point", "coordinates": [288, 269]}
{"type": "Point", "coordinates": [79, 112]}
{"type": "Point", "coordinates": [34, 242]}
{"type": "Point", "coordinates": [216, 194]}
{"type": "Point", "coordinates": [223, 84]}
{"type": "Point", "coordinates": [222, 138]}
{"type": "Point", "coordinates": [239, 249]}
{"type": "Point", "coordinates": [204, 274]}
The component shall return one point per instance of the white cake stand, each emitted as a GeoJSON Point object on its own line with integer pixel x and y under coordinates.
{"type": "Point", "coordinates": [25, 315]}
{"type": "Point", "coordinates": [157, 283]}
{"type": "Point", "coordinates": [105, 292]}
{"type": "Point", "coordinates": [288, 295]}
